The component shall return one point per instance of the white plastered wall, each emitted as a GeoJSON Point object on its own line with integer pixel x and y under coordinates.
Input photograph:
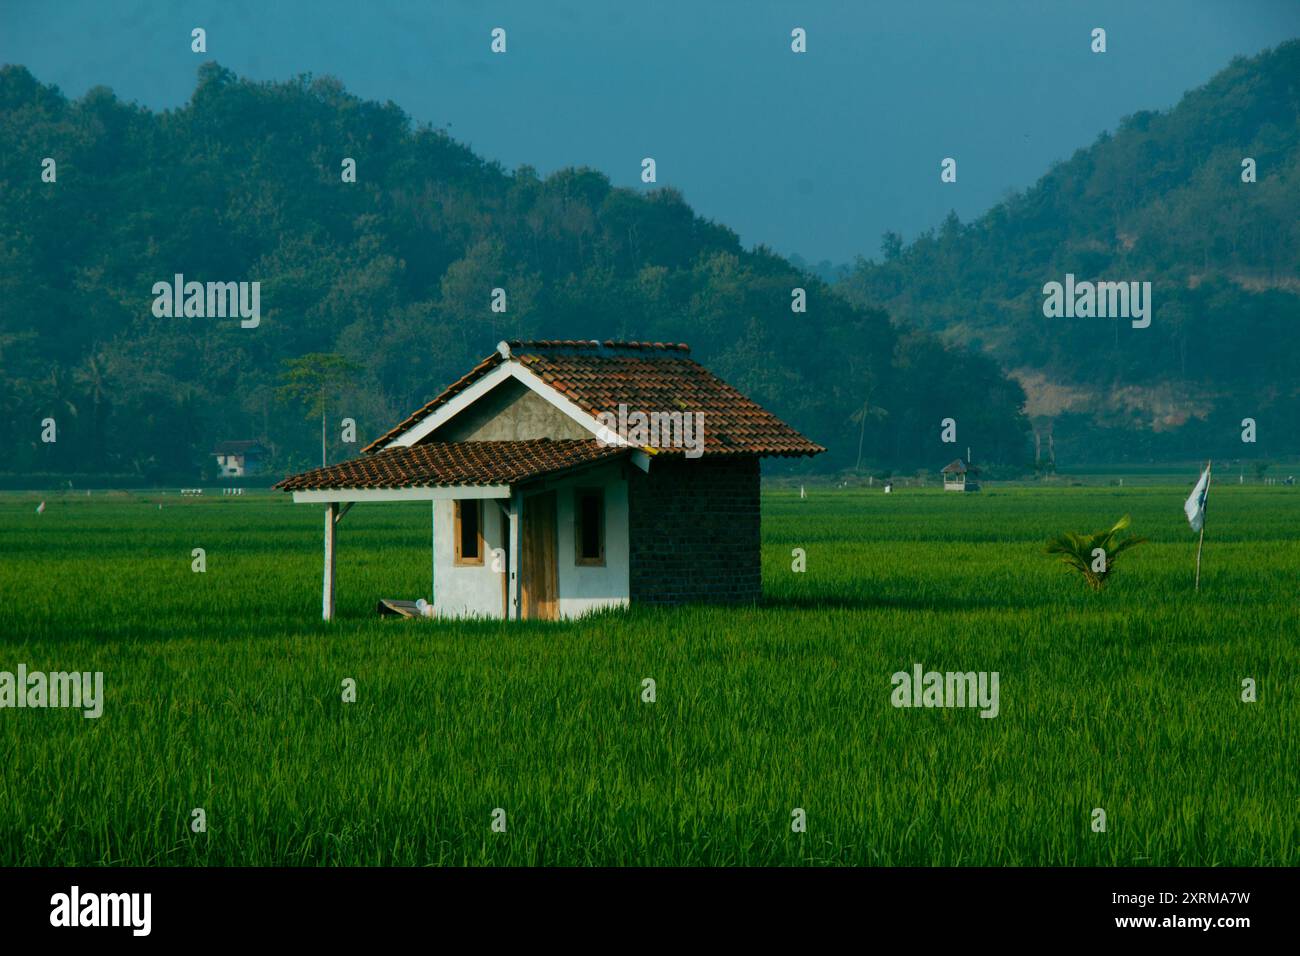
{"type": "Point", "coordinates": [476, 591]}
{"type": "Point", "coordinates": [467, 590]}
{"type": "Point", "coordinates": [582, 588]}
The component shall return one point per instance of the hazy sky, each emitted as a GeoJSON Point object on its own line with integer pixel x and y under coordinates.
{"type": "Point", "coordinates": [816, 153]}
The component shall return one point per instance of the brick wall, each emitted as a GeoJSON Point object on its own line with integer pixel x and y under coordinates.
{"type": "Point", "coordinates": [695, 531]}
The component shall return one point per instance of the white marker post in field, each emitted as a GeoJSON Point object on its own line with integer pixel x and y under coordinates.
{"type": "Point", "coordinates": [1194, 508]}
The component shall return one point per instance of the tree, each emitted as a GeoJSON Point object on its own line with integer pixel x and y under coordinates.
{"type": "Point", "coordinates": [859, 418]}
{"type": "Point", "coordinates": [891, 246]}
{"type": "Point", "coordinates": [311, 379]}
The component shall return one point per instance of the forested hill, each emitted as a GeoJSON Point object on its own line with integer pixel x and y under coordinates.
{"type": "Point", "coordinates": [1163, 200]}
{"type": "Point", "coordinates": [395, 272]}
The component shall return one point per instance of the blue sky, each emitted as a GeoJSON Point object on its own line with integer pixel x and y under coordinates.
{"type": "Point", "coordinates": [815, 154]}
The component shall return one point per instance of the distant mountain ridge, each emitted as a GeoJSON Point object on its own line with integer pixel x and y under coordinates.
{"type": "Point", "coordinates": [1162, 200]}
{"type": "Point", "coordinates": [396, 272]}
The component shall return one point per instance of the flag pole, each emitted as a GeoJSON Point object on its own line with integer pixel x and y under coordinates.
{"type": "Point", "coordinates": [1209, 479]}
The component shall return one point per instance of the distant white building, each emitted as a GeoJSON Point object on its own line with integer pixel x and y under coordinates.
{"type": "Point", "coordinates": [238, 459]}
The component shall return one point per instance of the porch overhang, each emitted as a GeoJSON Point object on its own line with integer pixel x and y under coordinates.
{"type": "Point", "coordinates": [432, 493]}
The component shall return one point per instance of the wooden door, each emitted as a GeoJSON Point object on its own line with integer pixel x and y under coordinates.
{"type": "Point", "coordinates": [538, 586]}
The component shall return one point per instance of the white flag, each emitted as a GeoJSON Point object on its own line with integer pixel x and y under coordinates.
{"type": "Point", "coordinates": [1195, 506]}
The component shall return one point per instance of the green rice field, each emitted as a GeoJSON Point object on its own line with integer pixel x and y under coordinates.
{"type": "Point", "coordinates": [223, 692]}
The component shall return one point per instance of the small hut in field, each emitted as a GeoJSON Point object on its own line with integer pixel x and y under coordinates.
{"type": "Point", "coordinates": [239, 459]}
{"type": "Point", "coordinates": [959, 476]}
{"type": "Point", "coordinates": [557, 484]}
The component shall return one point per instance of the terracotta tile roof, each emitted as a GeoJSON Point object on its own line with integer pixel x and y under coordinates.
{"type": "Point", "coordinates": [442, 464]}
{"type": "Point", "coordinates": [646, 377]}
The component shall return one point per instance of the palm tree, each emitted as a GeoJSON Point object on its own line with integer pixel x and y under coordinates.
{"type": "Point", "coordinates": [91, 375]}
{"type": "Point", "coordinates": [859, 417]}
{"type": "Point", "coordinates": [1079, 551]}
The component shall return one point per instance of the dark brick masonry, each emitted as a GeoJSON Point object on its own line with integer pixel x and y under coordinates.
{"type": "Point", "coordinates": [695, 531]}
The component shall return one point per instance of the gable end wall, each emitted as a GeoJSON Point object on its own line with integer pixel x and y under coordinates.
{"type": "Point", "coordinates": [510, 412]}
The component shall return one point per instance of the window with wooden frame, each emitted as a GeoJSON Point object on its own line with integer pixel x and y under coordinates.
{"type": "Point", "coordinates": [468, 532]}
{"type": "Point", "coordinates": [589, 527]}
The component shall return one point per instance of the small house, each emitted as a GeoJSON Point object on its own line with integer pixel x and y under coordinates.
{"type": "Point", "coordinates": [239, 459]}
{"type": "Point", "coordinates": [569, 476]}
{"type": "Point", "coordinates": [959, 476]}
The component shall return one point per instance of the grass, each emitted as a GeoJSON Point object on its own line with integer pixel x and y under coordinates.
{"type": "Point", "coordinates": [224, 692]}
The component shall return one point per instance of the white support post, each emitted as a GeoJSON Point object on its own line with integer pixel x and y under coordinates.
{"type": "Point", "coordinates": [516, 555]}
{"type": "Point", "coordinates": [327, 593]}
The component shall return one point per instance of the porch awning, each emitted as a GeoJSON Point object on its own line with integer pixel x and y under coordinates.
{"type": "Point", "coordinates": [490, 467]}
